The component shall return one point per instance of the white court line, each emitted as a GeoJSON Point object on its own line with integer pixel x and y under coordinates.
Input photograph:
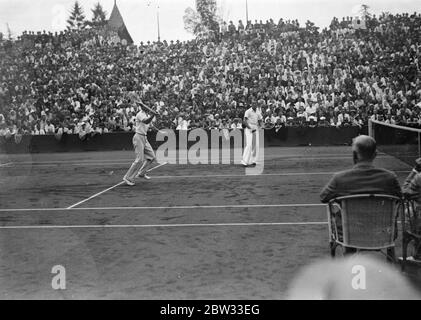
{"type": "Point", "coordinates": [110, 188]}
{"type": "Point", "coordinates": [95, 164]}
{"type": "Point", "coordinates": [288, 205]}
{"type": "Point", "coordinates": [5, 164]}
{"type": "Point", "coordinates": [257, 175]}
{"type": "Point", "coordinates": [252, 175]}
{"type": "Point", "coordinates": [127, 161]}
{"type": "Point", "coordinates": [131, 159]}
{"type": "Point", "coordinates": [95, 195]}
{"type": "Point", "coordinates": [286, 156]}
{"type": "Point", "coordinates": [136, 226]}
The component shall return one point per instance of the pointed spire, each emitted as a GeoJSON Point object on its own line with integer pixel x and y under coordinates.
{"type": "Point", "coordinates": [116, 23]}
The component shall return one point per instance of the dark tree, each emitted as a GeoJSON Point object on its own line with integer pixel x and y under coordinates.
{"type": "Point", "coordinates": [76, 20]}
{"type": "Point", "coordinates": [99, 15]}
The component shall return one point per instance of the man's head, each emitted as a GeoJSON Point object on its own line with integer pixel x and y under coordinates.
{"type": "Point", "coordinates": [336, 279]}
{"type": "Point", "coordinates": [364, 149]}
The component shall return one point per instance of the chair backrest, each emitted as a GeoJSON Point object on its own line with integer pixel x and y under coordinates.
{"type": "Point", "coordinates": [368, 221]}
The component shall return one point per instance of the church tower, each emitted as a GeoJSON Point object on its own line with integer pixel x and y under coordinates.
{"type": "Point", "coordinates": [116, 24]}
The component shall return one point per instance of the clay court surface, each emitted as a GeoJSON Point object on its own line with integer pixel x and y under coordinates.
{"type": "Point", "coordinates": [191, 232]}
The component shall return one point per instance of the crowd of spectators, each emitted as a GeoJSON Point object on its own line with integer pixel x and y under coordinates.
{"type": "Point", "coordinates": [81, 82]}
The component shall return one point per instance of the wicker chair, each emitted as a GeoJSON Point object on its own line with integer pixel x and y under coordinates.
{"type": "Point", "coordinates": [411, 232]}
{"type": "Point", "coordinates": [367, 222]}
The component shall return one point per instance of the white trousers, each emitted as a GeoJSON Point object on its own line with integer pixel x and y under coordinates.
{"type": "Point", "coordinates": [251, 149]}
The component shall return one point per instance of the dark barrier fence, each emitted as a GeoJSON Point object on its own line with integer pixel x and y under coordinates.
{"type": "Point", "coordinates": [289, 136]}
{"type": "Point", "coordinates": [319, 136]}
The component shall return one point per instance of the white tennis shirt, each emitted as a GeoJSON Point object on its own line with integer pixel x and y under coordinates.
{"type": "Point", "coordinates": [253, 118]}
{"type": "Point", "coordinates": [141, 127]}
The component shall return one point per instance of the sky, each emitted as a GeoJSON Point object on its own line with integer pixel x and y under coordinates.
{"type": "Point", "coordinates": [141, 15]}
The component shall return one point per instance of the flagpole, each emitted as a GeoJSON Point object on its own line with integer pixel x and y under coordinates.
{"type": "Point", "coordinates": [247, 12]}
{"type": "Point", "coordinates": [159, 32]}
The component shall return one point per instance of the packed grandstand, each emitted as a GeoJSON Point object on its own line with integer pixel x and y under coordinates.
{"type": "Point", "coordinates": [80, 81]}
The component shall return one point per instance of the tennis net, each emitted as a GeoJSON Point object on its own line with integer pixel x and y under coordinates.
{"type": "Point", "coordinates": [397, 141]}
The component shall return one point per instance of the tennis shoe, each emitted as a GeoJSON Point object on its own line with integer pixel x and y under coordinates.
{"type": "Point", "coordinates": [128, 182]}
{"type": "Point", "coordinates": [145, 176]}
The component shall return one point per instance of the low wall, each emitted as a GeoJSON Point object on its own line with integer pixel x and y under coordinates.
{"type": "Point", "coordinates": [290, 136]}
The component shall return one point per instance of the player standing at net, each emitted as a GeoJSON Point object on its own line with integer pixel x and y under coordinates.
{"type": "Point", "coordinates": [145, 155]}
{"type": "Point", "coordinates": [252, 122]}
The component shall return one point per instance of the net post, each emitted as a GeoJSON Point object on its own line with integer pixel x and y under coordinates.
{"type": "Point", "coordinates": [370, 128]}
{"type": "Point", "coordinates": [419, 146]}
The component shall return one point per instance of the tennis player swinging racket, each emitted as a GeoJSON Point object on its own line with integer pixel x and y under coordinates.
{"type": "Point", "coordinates": [145, 155]}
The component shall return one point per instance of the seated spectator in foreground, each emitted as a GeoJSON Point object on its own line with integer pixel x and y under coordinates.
{"type": "Point", "coordinates": [363, 178]}
{"type": "Point", "coordinates": [412, 190]}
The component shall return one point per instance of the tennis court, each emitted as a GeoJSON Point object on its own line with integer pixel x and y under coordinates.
{"type": "Point", "coordinates": [191, 232]}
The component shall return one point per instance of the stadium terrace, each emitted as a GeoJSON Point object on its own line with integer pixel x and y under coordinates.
{"type": "Point", "coordinates": [76, 82]}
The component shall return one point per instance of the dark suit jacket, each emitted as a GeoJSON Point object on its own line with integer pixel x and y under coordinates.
{"type": "Point", "coordinates": [362, 178]}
